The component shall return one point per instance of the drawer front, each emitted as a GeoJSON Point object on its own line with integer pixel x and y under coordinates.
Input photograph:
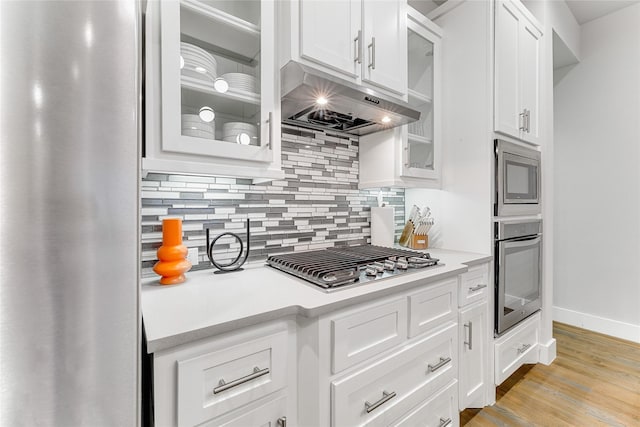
{"type": "Point", "coordinates": [474, 285]}
{"type": "Point", "coordinates": [516, 349]}
{"type": "Point", "coordinates": [387, 389]}
{"type": "Point", "coordinates": [271, 414]}
{"type": "Point", "coordinates": [433, 307]}
{"type": "Point", "coordinates": [365, 333]}
{"type": "Point", "coordinates": [215, 383]}
{"type": "Point", "coordinates": [439, 411]}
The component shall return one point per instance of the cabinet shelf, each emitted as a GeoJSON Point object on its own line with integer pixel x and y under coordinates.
{"type": "Point", "coordinates": [418, 138]}
{"type": "Point", "coordinates": [241, 104]}
{"type": "Point", "coordinates": [418, 99]}
{"type": "Point", "coordinates": [210, 25]}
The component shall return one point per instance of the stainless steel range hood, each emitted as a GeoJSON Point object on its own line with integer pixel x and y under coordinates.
{"type": "Point", "coordinates": [348, 108]}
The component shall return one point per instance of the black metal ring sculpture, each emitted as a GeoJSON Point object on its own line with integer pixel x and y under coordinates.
{"type": "Point", "coordinates": [236, 263]}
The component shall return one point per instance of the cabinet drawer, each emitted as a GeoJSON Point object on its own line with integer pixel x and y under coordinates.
{"type": "Point", "coordinates": [271, 414]}
{"type": "Point", "coordinates": [365, 333]}
{"type": "Point", "coordinates": [220, 381]}
{"type": "Point", "coordinates": [432, 307]}
{"type": "Point", "coordinates": [439, 411]}
{"type": "Point", "coordinates": [474, 285]}
{"type": "Point", "coordinates": [518, 347]}
{"type": "Point", "coordinates": [387, 389]}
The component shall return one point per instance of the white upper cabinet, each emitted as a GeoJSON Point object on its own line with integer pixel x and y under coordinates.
{"type": "Point", "coordinates": [326, 27]}
{"type": "Point", "coordinates": [212, 92]}
{"type": "Point", "coordinates": [410, 156]}
{"type": "Point", "coordinates": [384, 44]}
{"type": "Point", "coordinates": [358, 40]}
{"type": "Point", "coordinates": [517, 72]}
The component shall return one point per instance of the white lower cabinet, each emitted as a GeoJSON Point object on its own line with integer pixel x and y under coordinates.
{"type": "Point", "coordinates": [475, 334]}
{"type": "Point", "coordinates": [245, 377]}
{"type": "Point", "coordinates": [474, 366]}
{"type": "Point", "coordinates": [441, 410]}
{"type": "Point", "coordinates": [385, 390]}
{"type": "Point", "coordinates": [516, 348]}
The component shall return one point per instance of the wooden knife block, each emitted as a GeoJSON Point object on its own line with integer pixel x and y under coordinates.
{"type": "Point", "coordinates": [420, 241]}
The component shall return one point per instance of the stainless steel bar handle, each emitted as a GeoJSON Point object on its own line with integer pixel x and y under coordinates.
{"type": "Point", "coordinates": [257, 372]}
{"type": "Point", "coordinates": [270, 129]}
{"type": "Point", "coordinates": [444, 422]}
{"type": "Point", "coordinates": [527, 116]}
{"type": "Point", "coordinates": [521, 121]}
{"type": "Point", "coordinates": [524, 348]}
{"type": "Point", "coordinates": [372, 46]}
{"type": "Point", "coordinates": [369, 407]}
{"type": "Point", "coordinates": [358, 47]}
{"type": "Point", "coordinates": [477, 288]}
{"type": "Point", "coordinates": [443, 361]}
{"type": "Point", "coordinates": [470, 342]}
{"type": "Point", "coordinates": [282, 422]}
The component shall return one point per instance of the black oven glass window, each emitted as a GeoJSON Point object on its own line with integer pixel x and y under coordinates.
{"type": "Point", "coordinates": [521, 181]}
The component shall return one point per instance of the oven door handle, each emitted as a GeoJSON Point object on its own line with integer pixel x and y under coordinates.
{"type": "Point", "coordinates": [522, 242]}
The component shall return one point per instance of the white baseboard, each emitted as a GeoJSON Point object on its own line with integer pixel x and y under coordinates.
{"type": "Point", "coordinates": [603, 325]}
{"type": "Point", "coordinates": [547, 353]}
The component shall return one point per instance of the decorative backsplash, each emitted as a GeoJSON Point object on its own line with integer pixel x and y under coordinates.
{"type": "Point", "coordinates": [315, 206]}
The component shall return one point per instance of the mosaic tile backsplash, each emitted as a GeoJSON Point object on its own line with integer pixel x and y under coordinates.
{"type": "Point", "coordinates": [316, 205]}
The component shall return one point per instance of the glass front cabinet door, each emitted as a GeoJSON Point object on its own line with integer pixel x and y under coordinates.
{"type": "Point", "coordinates": [421, 150]}
{"type": "Point", "coordinates": [212, 91]}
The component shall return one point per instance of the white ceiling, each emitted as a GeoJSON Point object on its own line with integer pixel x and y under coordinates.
{"type": "Point", "coordinates": [588, 10]}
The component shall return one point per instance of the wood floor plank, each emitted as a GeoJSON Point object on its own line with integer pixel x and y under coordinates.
{"type": "Point", "coordinates": [594, 381]}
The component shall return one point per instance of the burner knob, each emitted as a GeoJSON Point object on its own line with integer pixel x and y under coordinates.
{"type": "Point", "coordinates": [371, 271]}
{"type": "Point", "coordinates": [389, 265]}
{"type": "Point", "coordinates": [378, 266]}
{"type": "Point", "coordinates": [402, 264]}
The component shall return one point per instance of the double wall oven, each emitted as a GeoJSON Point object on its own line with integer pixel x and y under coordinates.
{"type": "Point", "coordinates": [517, 238]}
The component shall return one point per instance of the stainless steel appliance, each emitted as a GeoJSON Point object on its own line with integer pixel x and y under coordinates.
{"type": "Point", "coordinates": [518, 181]}
{"type": "Point", "coordinates": [313, 99]}
{"type": "Point", "coordinates": [69, 251]}
{"type": "Point", "coordinates": [518, 275]}
{"type": "Point", "coordinates": [335, 268]}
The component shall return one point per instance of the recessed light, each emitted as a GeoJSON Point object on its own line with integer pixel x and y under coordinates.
{"type": "Point", "coordinates": [206, 114]}
{"type": "Point", "coordinates": [386, 119]}
{"type": "Point", "coordinates": [243, 138]}
{"type": "Point", "coordinates": [322, 100]}
{"type": "Point", "coordinates": [220, 85]}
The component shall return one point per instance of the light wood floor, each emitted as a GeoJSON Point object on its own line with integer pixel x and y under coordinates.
{"type": "Point", "coordinates": [594, 381]}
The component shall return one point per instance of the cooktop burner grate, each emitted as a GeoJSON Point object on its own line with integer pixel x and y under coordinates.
{"type": "Point", "coordinates": [335, 267]}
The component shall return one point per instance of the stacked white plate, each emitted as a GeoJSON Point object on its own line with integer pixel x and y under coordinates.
{"type": "Point", "coordinates": [233, 131]}
{"type": "Point", "coordinates": [198, 63]}
{"type": "Point", "coordinates": [241, 81]}
{"type": "Point", "coordinates": [192, 125]}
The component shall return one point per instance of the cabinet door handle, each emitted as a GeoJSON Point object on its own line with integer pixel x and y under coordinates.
{"type": "Point", "coordinates": [372, 46]}
{"type": "Point", "coordinates": [444, 422]}
{"type": "Point", "coordinates": [270, 129]}
{"type": "Point", "coordinates": [477, 288]}
{"type": "Point", "coordinates": [470, 342]}
{"type": "Point", "coordinates": [222, 385]}
{"type": "Point", "coordinates": [524, 348]}
{"type": "Point", "coordinates": [521, 121]}
{"type": "Point", "coordinates": [369, 407]}
{"type": "Point", "coordinates": [358, 47]}
{"type": "Point", "coordinates": [527, 116]}
{"type": "Point", "coordinates": [443, 361]}
{"type": "Point", "coordinates": [282, 422]}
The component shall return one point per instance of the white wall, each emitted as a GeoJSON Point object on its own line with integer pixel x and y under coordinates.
{"type": "Point", "coordinates": [597, 180]}
{"type": "Point", "coordinates": [463, 208]}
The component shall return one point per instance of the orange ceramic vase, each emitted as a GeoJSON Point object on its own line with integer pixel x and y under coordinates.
{"type": "Point", "coordinates": [172, 262]}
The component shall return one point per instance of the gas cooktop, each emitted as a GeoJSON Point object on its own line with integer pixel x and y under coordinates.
{"type": "Point", "coordinates": [336, 268]}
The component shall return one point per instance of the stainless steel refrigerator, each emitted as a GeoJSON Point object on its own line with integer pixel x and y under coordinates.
{"type": "Point", "coordinates": [69, 225]}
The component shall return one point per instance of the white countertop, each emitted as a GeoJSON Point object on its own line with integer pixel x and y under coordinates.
{"type": "Point", "coordinates": [208, 304]}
